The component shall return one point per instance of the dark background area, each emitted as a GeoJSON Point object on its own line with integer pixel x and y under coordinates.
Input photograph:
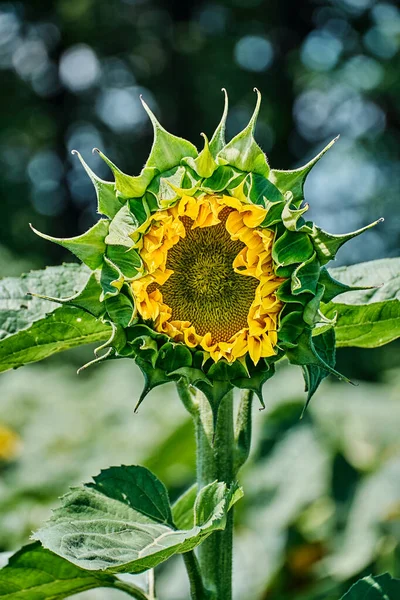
{"type": "Point", "coordinates": [71, 75]}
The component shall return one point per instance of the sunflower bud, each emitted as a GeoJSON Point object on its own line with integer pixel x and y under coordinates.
{"type": "Point", "coordinates": [206, 267]}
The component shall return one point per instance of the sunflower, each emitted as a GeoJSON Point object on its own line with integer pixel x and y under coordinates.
{"type": "Point", "coordinates": [209, 280]}
{"type": "Point", "coordinates": [205, 267]}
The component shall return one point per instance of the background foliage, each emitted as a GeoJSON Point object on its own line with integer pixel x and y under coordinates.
{"type": "Point", "coordinates": [322, 494]}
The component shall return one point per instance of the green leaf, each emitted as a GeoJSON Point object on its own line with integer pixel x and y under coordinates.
{"type": "Point", "coordinates": [34, 573]}
{"type": "Point", "coordinates": [108, 203]}
{"type": "Point", "coordinates": [293, 181]}
{"type": "Point", "coordinates": [305, 276]}
{"type": "Point", "coordinates": [217, 141]}
{"type": "Point", "coordinates": [167, 150]}
{"type": "Point", "coordinates": [204, 165]}
{"type": "Point", "coordinates": [183, 509]}
{"type": "Point", "coordinates": [305, 353]}
{"type": "Point", "coordinates": [128, 186]}
{"type": "Point", "coordinates": [122, 523]}
{"type": "Point", "coordinates": [127, 260]}
{"type": "Point", "coordinates": [262, 191]}
{"type": "Point", "coordinates": [365, 326]}
{"type": "Point", "coordinates": [88, 247]}
{"type": "Point", "coordinates": [333, 287]}
{"type": "Point", "coordinates": [291, 216]}
{"type": "Point", "coordinates": [120, 310]}
{"type": "Point", "coordinates": [369, 317]}
{"type": "Point", "coordinates": [111, 280]}
{"type": "Point", "coordinates": [122, 227]}
{"type": "Point", "coordinates": [380, 587]}
{"type": "Point", "coordinates": [314, 374]}
{"type": "Point", "coordinates": [222, 179]}
{"type": "Point", "coordinates": [291, 248]}
{"type": "Point", "coordinates": [243, 152]}
{"type": "Point", "coordinates": [65, 328]}
{"type": "Point", "coordinates": [18, 310]}
{"type": "Point", "coordinates": [327, 244]}
{"type": "Point", "coordinates": [376, 280]}
{"type": "Point", "coordinates": [174, 356]}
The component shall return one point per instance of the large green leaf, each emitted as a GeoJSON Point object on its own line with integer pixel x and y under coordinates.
{"type": "Point", "coordinates": [18, 310]}
{"type": "Point", "coordinates": [33, 328]}
{"type": "Point", "coordinates": [382, 587]}
{"type": "Point", "coordinates": [122, 523]}
{"type": "Point", "coordinates": [367, 318]}
{"type": "Point", "coordinates": [382, 276]}
{"type": "Point", "coordinates": [65, 328]}
{"type": "Point", "coordinates": [34, 573]}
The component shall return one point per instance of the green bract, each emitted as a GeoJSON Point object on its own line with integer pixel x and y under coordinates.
{"type": "Point", "coordinates": [300, 253]}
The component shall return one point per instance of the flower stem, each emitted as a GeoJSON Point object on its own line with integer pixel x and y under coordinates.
{"type": "Point", "coordinates": [197, 591]}
{"type": "Point", "coordinates": [215, 461]}
{"type": "Point", "coordinates": [131, 590]}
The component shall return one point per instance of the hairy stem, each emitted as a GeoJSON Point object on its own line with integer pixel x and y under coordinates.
{"type": "Point", "coordinates": [197, 590]}
{"type": "Point", "coordinates": [215, 461]}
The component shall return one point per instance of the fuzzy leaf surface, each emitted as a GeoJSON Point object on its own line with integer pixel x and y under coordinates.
{"type": "Point", "coordinates": [367, 318]}
{"type": "Point", "coordinates": [18, 310]}
{"type": "Point", "coordinates": [65, 328]}
{"type": "Point", "coordinates": [381, 587]}
{"type": "Point", "coordinates": [34, 573]}
{"type": "Point", "coordinates": [122, 523]}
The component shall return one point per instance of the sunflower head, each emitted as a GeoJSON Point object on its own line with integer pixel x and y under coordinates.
{"type": "Point", "coordinates": [206, 268]}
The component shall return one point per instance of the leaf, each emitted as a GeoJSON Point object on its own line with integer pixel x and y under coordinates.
{"type": "Point", "coordinates": [294, 180]}
{"type": "Point", "coordinates": [108, 203]}
{"type": "Point", "coordinates": [371, 317]}
{"type": "Point", "coordinates": [327, 244]}
{"type": "Point", "coordinates": [65, 328]}
{"type": "Point", "coordinates": [243, 152]}
{"type": "Point", "coordinates": [383, 275]}
{"type": "Point", "coordinates": [182, 510]}
{"type": "Point", "coordinates": [88, 247]}
{"type": "Point", "coordinates": [365, 326]}
{"type": "Point", "coordinates": [122, 227]}
{"type": "Point", "coordinates": [167, 150]}
{"type": "Point", "coordinates": [380, 587]}
{"type": "Point", "coordinates": [217, 141]}
{"type": "Point", "coordinates": [128, 186]}
{"type": "Point", "coordinates": [204, 165]}
{"type": "Point", "coordinates": [18, 310]}
{"type": "Point", "coordinates": [291, 248]}
{"type": "Point", "coordinates": [313, 374]}
{"type": "Point", "coordinates": [122, 523]}
{"type": "Point", "coordinates": [34, 573]}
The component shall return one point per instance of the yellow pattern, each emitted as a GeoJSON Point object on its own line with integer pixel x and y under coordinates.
{"type": "Point", "coordinates": [165, 229]}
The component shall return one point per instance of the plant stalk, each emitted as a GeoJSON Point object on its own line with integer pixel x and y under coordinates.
{"type": "Point", "coordinates": [197, 590]}
{"type": "Point", "coordinates": [131, 590]}
{"type": "Point", "coordinates": [215, 461]}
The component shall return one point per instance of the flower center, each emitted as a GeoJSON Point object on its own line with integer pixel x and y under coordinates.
{"type": "Point", "coordinates": [204, 289]}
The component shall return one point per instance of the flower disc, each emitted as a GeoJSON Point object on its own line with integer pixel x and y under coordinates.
{"type": "Point", "coordinates": [204, 288]}
{"type": "Point", "coordinates": [210, 281]}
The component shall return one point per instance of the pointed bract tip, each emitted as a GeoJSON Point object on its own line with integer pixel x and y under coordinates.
{"type": "Point", "coordinates": [95, 150]}
{"type": "Point", "coordinates": [253, 120]}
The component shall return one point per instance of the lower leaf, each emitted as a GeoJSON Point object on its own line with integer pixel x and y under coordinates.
{"type": "Point", "coordinates": [122, 523]}
{"type": "Point", "coordinates": [382, 587]}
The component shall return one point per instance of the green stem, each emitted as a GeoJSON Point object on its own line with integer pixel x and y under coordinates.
{"type": "Point", "coordinates": [151, 579]}
{"type": "Point", "coordinates": [215, 461]}
{"type": "Point", "coordinates": [197, 591]}
{"type": "Point", "coordinates": [131, 590]}
{"type": "Point", "coordinates": [243, 429]}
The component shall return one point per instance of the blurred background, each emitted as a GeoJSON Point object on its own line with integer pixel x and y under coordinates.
{"type": "Point", "coordinates": [322, 502]}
